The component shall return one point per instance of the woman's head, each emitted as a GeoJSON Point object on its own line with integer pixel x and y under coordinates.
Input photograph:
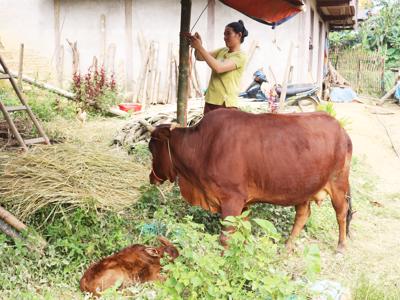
{"type": "Point", "coordinates": [235, 33]}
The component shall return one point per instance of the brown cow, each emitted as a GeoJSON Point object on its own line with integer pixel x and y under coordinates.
{"type": "Point", "coordinates": [232, 159]}
{"type": "Point", "coordinates": [133, 264]}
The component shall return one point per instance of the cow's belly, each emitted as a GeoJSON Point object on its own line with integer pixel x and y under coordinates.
{"type": "Point", "coordinates": [288, 199]}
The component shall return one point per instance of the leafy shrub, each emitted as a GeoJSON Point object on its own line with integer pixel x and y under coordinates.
{"type": "Point", "coordinates": [95, 91]}
{"type": "Point", "coordinates": [249, 269]}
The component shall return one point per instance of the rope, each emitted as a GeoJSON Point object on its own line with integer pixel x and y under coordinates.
{"type": "Point", "coordinates": [199, 17]}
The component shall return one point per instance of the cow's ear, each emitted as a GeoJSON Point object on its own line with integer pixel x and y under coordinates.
{"type": "Point", "coordinates": [162, 133]}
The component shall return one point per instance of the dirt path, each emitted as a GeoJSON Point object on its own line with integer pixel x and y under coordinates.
{"type": "Point", "coordinates": [375, 246]}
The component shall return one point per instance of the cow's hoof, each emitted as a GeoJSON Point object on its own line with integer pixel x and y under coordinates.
{"type": "Point", "coordinates": [289, 247]}
{"type": "Point", "coordinates": [341, 249]}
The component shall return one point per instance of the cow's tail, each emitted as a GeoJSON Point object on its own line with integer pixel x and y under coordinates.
{"type": "Point", "coordinates": [349, 215]}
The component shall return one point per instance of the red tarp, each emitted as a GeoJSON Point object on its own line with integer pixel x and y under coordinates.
{"type": "Point", "coordinates": [271, 12]}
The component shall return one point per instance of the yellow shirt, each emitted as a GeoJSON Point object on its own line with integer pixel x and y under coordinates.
{"type": "Point", "coordinates": [224, 87]}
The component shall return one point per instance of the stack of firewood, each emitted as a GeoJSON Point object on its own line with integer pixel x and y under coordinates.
{"type": "Point", "coordinates": [134, 132]}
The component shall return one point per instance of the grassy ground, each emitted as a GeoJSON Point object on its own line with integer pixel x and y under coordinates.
{"type": "Point", "coordinates": [79, 237]}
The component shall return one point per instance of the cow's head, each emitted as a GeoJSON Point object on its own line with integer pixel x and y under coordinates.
{"type": "Point", "coordinates": [159, 145]}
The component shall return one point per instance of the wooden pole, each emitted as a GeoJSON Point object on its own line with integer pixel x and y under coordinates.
{"type": "Point", "coordinates": [20, 66]}
{"type": "Point", "coordinates": [129, 45]}
{"type": "Point", "coordinates": [103, 39]}
{"type": "Point", "coordinates": [285, 79]}
{"type": "Point", "coordinates": [183, 77]}
{"type": "Point", "coordinates": [57, 39]}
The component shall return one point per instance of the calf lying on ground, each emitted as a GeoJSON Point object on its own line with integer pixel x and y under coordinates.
{"type": "Point", "coordinates": [133, 264]}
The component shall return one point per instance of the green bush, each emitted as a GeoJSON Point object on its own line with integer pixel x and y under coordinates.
{"type": "Point", "coordinates": [249, 269]}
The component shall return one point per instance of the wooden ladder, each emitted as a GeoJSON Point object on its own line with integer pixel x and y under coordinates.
{"type": "Point", "coordinates": [24, 107]}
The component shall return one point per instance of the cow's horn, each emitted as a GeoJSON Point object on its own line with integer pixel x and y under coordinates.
{"type": "Point", "coordinates": [174, 125]}
{"type": "Point", "coordinates": [148, 126]}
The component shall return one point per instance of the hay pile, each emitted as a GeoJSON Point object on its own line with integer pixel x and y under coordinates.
{"type": "Point", "coordinates": [68, 176]}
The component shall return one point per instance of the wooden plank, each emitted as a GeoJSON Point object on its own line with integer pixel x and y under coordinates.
{"type": "Point", "coordinates": [15, 108]}
{"type": "Point", "coordinates": [336, 17]}
{"type": "Point", "coordinates": [4, 76]}
{"type": "Point", "coordinates": [35, 141]}
{"type": "Point", "coordinates": [330, 3]}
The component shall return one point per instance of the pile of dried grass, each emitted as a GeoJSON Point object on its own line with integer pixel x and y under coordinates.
{"type": "Point", "coordinates": [68, 176]}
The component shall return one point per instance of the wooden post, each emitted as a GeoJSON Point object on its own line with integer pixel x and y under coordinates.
{"type": "Point", "coordinates": [103, 39]}
{"type": "Point", "coordinates": [285, 79]}
{"type": "Point", "coordinates": [57, 39]}
{"type": "Point", "coordinates": [20, 66]}
{"type": "Point", "coordinates": [183, 77]}
{"type": "Point", "coordinates": [129, 45]}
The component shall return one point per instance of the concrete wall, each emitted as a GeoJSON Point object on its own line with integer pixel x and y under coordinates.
{"type": "Point", "coordinates": [32, 22]}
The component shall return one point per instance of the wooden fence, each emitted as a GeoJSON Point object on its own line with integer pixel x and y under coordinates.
{"type": "Point", "coordinates": [364, 70]}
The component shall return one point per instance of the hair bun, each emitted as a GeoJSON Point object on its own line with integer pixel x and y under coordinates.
{"type": "Point", "coordinates": [241, 22]}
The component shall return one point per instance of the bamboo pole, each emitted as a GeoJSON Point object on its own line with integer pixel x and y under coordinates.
{"type": "Point", "coordinates": [20, 66]}
{"type": "Point", "coordinates": [285, 79]}
{"type": "Point", "coordinates": [186, 6]}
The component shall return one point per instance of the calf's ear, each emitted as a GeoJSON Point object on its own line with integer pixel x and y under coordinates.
{"type": "Point", "coordinates": [164, 241]}
{"type": "Point", "coordinates": [152, 251]}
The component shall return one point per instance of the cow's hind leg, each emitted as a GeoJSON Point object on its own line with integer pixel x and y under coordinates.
{"type": "Point", "coordinates": [303, 211]}
{"type": "Point", "coordinates": [341, 206]}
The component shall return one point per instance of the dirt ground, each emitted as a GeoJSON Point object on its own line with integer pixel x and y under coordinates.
{"type": "Point", "coordinates": [374, 250]}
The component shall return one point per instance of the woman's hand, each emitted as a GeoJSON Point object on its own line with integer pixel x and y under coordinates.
{"type": "Point", "coordinates": [194, 40]}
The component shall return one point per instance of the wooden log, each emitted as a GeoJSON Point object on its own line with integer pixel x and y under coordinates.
{"type": "Point", "coordinates": [387, 95]}
{"type": "Point", "coordinates": [20, 66]}
{"type": "Point", "coordinates": [7, 230]}
{"type": "Point", "coordinates": [45, 86]}
{"type": "Point", "coordinates": [12, 220]}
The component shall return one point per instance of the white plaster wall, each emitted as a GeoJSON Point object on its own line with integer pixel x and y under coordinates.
{"type": "Point", "coordinates": [32, 22]}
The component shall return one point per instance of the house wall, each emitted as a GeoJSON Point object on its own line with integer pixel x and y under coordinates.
{"type": "Point", "coordinates": [32, 22]}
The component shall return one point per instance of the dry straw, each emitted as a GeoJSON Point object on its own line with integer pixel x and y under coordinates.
{"type": "Point", "coordinates": [69, 176]}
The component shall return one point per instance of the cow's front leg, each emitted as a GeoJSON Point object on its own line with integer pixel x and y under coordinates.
{"type": "Point", "coordinates": [303, 211]}
{"type": "Point", "coordinates": [230, 207]}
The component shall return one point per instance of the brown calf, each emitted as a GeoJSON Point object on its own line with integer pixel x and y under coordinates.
{"type": "Point", "coordinates": [133, 264]}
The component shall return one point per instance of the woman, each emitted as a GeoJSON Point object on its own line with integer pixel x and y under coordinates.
{"type": "Point", "coordinates": [227, 65]}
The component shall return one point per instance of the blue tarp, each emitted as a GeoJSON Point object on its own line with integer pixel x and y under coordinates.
{"type": "Point", "coordinates": [397, 92]}
{"type": "Point", "coordinates": [338, 94]}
